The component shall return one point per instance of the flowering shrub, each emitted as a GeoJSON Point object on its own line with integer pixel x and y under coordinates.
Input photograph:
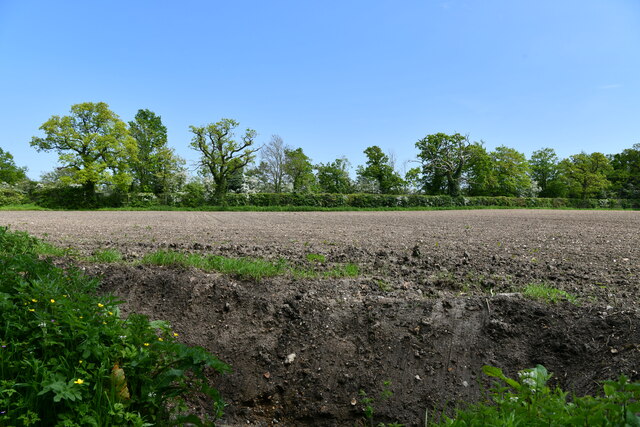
{"type": "Point", "coordinates": [67, 358]}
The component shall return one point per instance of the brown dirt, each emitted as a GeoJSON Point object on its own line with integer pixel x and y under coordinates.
{"type": "Point", "coordinates": [451, 302]}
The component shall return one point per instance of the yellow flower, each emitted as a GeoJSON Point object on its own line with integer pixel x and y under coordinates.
{"type": "Point", "coordinates": [34, 300]}
{"type": "Point", "coordinates": [32, 309]}
{"type": "Point", "coordinates": [79, 381]}
{"type": "Point", "coordinates": [100, 305]}
{"type": "Point", "coordinates": [175, 334]}
{"type": "Point", "coordinates": [110, 313]}
{"type": "Point", "coordinates": [146, 344]}
{"type": "Point", "coordinates": [104, 323]}
{"type": "Point", "coordinates": [81, 362]}
{"type": "Point", "coordinates": [52, 300]}
{"type": "Point", "coordinates": [160, 339]}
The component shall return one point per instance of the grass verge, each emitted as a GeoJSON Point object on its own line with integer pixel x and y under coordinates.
{"type": "Point", "coordinates": [245, 268]}
{"type": "Point", "coordinates": [68, 359]}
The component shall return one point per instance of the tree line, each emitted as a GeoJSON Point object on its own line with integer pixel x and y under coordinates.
{"type": "Point", "coordinates": [100, 153]}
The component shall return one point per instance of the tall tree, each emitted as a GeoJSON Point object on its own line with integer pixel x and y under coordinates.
{"type": "Point", "coordinates": [546, 172]}
{"type": "Point", "coordinates": [380, 170]}
{"type": "Point", "coordinates": [511, 172]}
{"type": "Point", "coordinates": [333, 177]}
{"type": "Point", "coordinates": [157, 167]}
{"type": "Point", "coordinates": [625, 175]}
{"type": "Point", "coordinates": [299, 169]}
{"type": "Point", "coordinates": [273, 155]}
{"type": "Point", "coordinates": [444, 157]}
{"type": "Point", "coordinates": [479, 174]}
{"type": "Point", "coordinates": [9, 172]}
{"type": "Point", "coordinates": [221, 154]}
{"type": "Point", "coordinates": [587, 174]}
{"type": "Point", "coordinates": [93, 143]}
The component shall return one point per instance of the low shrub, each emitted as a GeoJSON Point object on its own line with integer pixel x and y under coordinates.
{"type": "Point", "coordinates": [529, 401]}
{"type": "Point", "coordinates": [68, 359]}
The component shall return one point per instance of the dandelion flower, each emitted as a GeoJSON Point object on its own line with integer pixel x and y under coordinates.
{"type": "Point", "coordinates": [79, 381]}
{"type": "Point", "coordinates": [52, 300]}
{"type": "Point", "coordinates": [100, 305]}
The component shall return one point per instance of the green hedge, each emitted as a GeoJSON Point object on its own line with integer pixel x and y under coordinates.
{"type": "Point", "coordinates": [417, 201]}
{"type": "Point", "coordinates": [194, 196]}
{"type": "Point", "coordinates": [11, 196]}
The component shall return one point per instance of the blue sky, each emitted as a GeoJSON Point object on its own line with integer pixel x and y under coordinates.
{"type": "Point", "coordinates": [332, 77]}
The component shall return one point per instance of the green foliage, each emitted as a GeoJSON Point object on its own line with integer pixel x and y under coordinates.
{"type": "Point", "coordinates": [246, 268]}
{"type": "Point", "coordinates": [221, 154]}
{"type": "Point", "coordinates": [368, 403]}
{"type": "Point", "coordinates": [316, 258]}
{"type": "Point", "coordinates": [333, 177]}
{"type": "Point", "coordinates": [380, 170]}
{"type": "Point", "coordinates": [299, 169]}
{"type": "Point", "coordinates": [625, 175]}
{"type": "Point", "coordinates": [510, 173]}
{"type": "Point", "coordinates": [544, 292]}
{"type": "Point", "coordinates": [10, 195]}
{"type": "Point", "coordinates": [586, 174]}
{"type": "Point", "coordinates": [9, 172]}
{"type": "Point", "coordinates": [444, 159]}
{"type": "Point", "coordinates": [157, 169]}
{"type": "Point", "coordinates": [529, 401]}
{"type": "Point", "coordinates": [67, 358]}
{"type": "Point", "coordinates": [93, 144]}
{"type": "Point", "coordinates": [546, 172]}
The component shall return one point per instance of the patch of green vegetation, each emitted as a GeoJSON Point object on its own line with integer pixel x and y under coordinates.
{"type": "Point", "coordinates": [346, 270]}
{"type": "Point", "coordinates": [383, 285]}
{"type": "Point", "coordinates": [549, 294]}
{"type": "Point", "coordinates": [25, 207]}
{"type": "Point", "coordinates": [67, 358]}
{"type": "Point", "coordinates": [316, 258]}
{"type": "Point", "coordinates": [106, 256]}
{"type": "Point", "coordinates": [528, 401]}
{"type": "Point", "coordinates": [255, 269]}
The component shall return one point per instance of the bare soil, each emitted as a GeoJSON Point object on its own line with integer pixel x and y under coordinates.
{"type": "Point", "coordinates": [439, 296]}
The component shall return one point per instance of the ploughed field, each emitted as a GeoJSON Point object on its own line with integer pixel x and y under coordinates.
{"type": "Point", "coordinates": [439, 294]}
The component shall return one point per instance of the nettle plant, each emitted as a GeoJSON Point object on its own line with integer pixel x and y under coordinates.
{"type": "Point", "coordinates": [68, 359]}
{"type": "Point", "coordinates": [530, 401]}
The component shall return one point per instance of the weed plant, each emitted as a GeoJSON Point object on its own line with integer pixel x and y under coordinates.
{"type": "Point", "coordinates": [549, 294]}
{"type": "Point", "coordinates": [529, 401]}
{"type": "Point", "coordinates": [68, 359]}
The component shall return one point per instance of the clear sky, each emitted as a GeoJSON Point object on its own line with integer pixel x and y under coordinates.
{"type": "Point", "coordinates": [332, 77]}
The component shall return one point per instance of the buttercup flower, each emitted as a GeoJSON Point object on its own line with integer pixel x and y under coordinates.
{"type": "Point", "coordinates": [79, 381]}
{"type": "Point", "coordinates": [100, 305]}
{"type": "Point", "coordinates": [52, 300]}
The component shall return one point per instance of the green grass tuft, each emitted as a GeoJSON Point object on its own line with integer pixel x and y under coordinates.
{"type": "Point", "coordinates": [549, 294]}
{"type": "Point", "coordinates": [319, 258]}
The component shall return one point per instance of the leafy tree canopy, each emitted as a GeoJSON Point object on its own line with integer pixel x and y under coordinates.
{"type": "Point", "coordinates": [9, 172]}
{"type": "Point", "coordinates": [380, 170]}
{"type": "Point", "coordinates": [93, 143]}
{"type": "Point", "coordinates": [221, 154]}
{"type": "Point", "coordinates": [444, 157]}
{"type": "Point", "coordinates": [333, 177]}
